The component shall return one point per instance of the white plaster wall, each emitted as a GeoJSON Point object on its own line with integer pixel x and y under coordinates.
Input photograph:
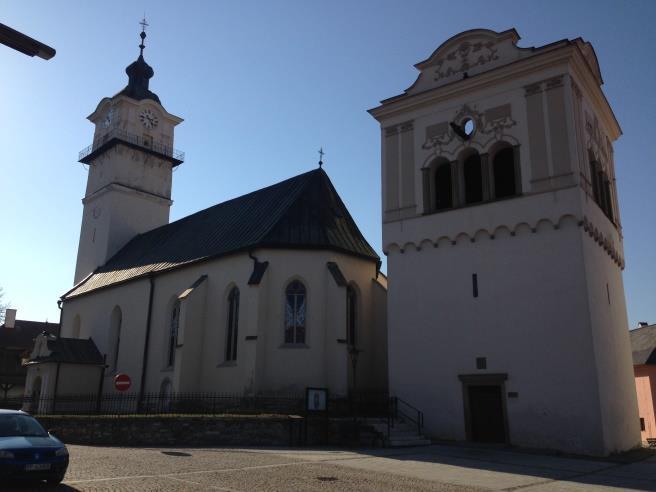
{"type": "Point", "coordinates": [526, 321]}
{"type": "Point", "coordinates": [95, 314]}
{"type": "Point", "coordinates": [264, 364]}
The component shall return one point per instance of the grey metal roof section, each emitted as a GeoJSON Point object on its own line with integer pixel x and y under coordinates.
{"type": "Point", "coordinates": [643, 345]}
{"type": "Point", "coordinates": [303, 212]}
{"type": "Point", "coordinates": [72, 351]}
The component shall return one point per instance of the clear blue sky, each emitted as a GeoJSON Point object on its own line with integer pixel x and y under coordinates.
{"type": "Point", "coordinates": [261, 86]}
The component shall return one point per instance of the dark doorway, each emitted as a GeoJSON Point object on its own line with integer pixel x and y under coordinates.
{"type": "Point", "coordinates": [486, 418]}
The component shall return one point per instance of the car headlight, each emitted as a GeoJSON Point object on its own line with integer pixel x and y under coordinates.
{"type": "Point", "coordinates": [61, 452]}
{"type": "Point", "coordinates": [8, 455]}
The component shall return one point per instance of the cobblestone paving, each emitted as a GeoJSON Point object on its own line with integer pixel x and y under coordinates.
{"type": "Point", "coordinates": [151, 469]}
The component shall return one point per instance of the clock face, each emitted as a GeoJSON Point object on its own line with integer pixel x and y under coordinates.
{"type": "Point", "coordinates": [148, 118]}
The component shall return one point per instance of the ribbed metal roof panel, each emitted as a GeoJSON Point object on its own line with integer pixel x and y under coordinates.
{"type": "Point", "coordinates": [301, 212]}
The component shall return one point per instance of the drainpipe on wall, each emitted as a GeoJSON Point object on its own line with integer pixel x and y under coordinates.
{"type": "Point", "coordinates": [54, 396]}
{"type": "Point", "coordinates": [146, 342]}
{"type": "Point", "coordinates": [60, 305]}
{"type": "Point", "coordinates": [100, 384]}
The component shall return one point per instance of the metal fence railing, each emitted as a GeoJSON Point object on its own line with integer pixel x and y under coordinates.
{"type": "Point", "coordinates": [113, 404]}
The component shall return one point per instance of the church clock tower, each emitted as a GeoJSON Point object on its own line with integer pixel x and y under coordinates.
{"type": "Point", "coordinates": [131, 161]}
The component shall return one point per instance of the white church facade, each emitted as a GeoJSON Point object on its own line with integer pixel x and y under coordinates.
{"type": "Point", "coordinates": [507, 317]}
{"type": "Point", "coordinates": [270, 292]}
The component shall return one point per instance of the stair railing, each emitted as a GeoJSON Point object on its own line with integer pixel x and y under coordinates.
{"type": "Point", "coordinates": [401, 408]}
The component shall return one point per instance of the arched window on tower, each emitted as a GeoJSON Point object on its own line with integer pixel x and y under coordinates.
{"type": "Point", "coordinates": [174, 323]}
{"type": "Point", "coordinates": [503, 170]}
{"type": "Point", "coordinates": [473, 175]}
{"type": "Point", "coordinates": [443, 186]}
{"type": "Point", "coordinates": [233, 324]}
{"type": "Point", "coordinates": [602, 189]}
{"type": "Point", "coordinates": [295, 310]}
{"type": "Point", "coordinates": [116, 320]}
{"type": "Point", "coordinates": [351, 316]}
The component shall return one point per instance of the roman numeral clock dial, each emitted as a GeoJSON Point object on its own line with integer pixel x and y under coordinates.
{"type": "Point", "coordinates": [148, 119]}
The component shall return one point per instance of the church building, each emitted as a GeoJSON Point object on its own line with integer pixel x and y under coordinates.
{"type": "Point", "coordinates": [270, 292]}
{"type": "Point", "coordinates": [507, 319]}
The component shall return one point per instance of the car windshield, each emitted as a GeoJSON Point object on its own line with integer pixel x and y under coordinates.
{"type": "Point", "coordinates": [16, 424]}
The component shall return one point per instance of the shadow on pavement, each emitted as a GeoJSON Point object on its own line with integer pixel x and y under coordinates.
{"type": "Point", "coordinates": [35, 485]}
{"type": "Point", "coordinates": [638, 473]}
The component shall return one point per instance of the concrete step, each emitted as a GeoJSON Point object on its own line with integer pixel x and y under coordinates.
{"type": "Point", "coordinates": [409, 443]}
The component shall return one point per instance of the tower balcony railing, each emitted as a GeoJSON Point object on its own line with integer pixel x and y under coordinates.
{"type": "Point", "coordinates": [116, 135]}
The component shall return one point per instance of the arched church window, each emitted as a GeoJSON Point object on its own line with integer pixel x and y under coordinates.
{"type": "Point", "coordinates": [233, 324]}
{"type": "Point", "coordinates": [503, 169]}
{"type": "Point", "coordinates": [77, 323]}
{"type": "Point", "coordinates": [351, 316]}
{"type": "Point", "coordinates": [174, 323]}
{"type": "Point", "coordinates": [443, 187]}
{"type": "Point", "coordinates": [473, 179]}
{"type": "Point", "coordinates": [295, 310]}
{"type": "Point", "coordinates": [116, 320]}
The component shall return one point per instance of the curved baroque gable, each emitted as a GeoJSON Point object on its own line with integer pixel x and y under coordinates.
{"type": "Point", "coordinates": [470, 52]}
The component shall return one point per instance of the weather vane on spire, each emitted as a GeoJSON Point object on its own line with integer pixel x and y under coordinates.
{"type": "Point", "coordinates": [321, 154]}
{"type": "Point", "coordinates": [143, 25]}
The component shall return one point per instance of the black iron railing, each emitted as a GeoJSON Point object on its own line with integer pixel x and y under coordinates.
{"type": "Point", "coordinates": [401, 409]}
{"type": "Point", "coordinates": [116, 404]}
{"type": "Point", "coordinates": [132, 139]}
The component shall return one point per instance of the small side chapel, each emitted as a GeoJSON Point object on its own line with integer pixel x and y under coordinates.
{"type": "Point", "coordinates": [270, 292]}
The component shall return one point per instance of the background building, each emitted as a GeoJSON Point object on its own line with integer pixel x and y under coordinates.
{"type": "Point", "coordinates": [643, 346]}
{"type": "Point", "coordinates": [16, 342]}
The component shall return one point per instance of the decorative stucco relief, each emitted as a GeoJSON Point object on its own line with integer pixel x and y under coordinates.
{"type": "Point", "coordinates": [490, 127]}
{"type": "Point", "coordinates": [465, 57]}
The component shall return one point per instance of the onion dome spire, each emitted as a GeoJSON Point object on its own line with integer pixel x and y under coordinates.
{"type": "Point", "coordinates": [139, 73]}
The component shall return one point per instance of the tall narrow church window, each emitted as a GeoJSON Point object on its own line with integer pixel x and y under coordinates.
{"type": "Point", "coordinates": [174, 323]}
{"type": "Point", "coordinates": [473, 179]}
{"type": "Point", "coordinates": [351, 315]}
{"type": "Point", "coordinates": [295, 309]}
{"type": "Point", "coordinates": [233, 324]}
{"type": "Point", "coordinates": [503, 168]}
{"type": "Point", "coordinates": [443, 187]}
{"type": "Point", "coordinates": [116, 321]}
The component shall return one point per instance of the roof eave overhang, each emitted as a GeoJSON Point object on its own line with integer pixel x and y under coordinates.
{"type": "Point", "coordinates": [66, 297]}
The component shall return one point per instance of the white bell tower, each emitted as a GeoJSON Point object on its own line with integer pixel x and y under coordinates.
{"type": "Point", "coordinates": [130, 161]}
{"type": "Point", "coordinates": [506, 312]}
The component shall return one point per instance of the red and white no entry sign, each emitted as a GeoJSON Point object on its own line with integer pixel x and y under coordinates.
{"type": "Point", "coordinates": [122, 382]}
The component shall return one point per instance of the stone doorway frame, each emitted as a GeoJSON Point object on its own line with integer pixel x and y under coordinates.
{"type": "Point", "coordinates": [499, 380]}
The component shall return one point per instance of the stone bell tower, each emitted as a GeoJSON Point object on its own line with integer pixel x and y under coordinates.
{"type": "Point", "coordinates": [130, 161]}
{"type": "Point", "coordinates": [507, 319]}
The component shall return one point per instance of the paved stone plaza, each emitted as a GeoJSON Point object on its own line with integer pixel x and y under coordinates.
{"type": "Point", "coordinates": [443, 468]}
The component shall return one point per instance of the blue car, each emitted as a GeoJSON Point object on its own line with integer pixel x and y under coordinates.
{"type": "Point", "coordinates": [28, 451]}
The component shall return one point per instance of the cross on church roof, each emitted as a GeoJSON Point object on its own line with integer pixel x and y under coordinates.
{"type": "Point", "coordinates": [143, 25]}
{"type": "Point", "coordinates": [321, 154]}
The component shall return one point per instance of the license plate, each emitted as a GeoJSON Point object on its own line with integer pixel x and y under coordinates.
{"type": "Point", "coordinates": [37, 466]}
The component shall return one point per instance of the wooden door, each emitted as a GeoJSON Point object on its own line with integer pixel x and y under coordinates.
{"type": "Point", "coordinates": [486, 417]}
